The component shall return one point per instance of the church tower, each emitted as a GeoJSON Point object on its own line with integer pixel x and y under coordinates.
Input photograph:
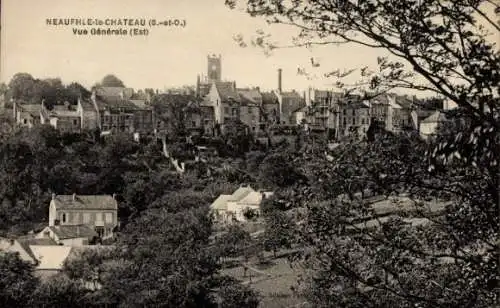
{"type": "Point", "coordinates": [214, 70]}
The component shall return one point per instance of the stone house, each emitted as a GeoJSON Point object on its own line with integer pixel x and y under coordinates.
{"type": "Point", "coordinates": [225, 100]}
{"type": "Point", "coordinates": [251, 100]}
{"type": "Point", "coordinates": [65, 117]}
{"type": "Point", "coordinates": [117, 110]}
{"type": "Point", "coordinates": [88, 114]}
{"type": "Point", "coordinates": [354, 119]}
{"type": "Point", "coordinates": [97, 212]}
{"type": "Point", "coordinates": [27, 115]}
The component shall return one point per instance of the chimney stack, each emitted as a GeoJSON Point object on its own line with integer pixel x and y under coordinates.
{"type": "Point", "coordinates": [74, 197]}
{"type": "Point", "coordinates": [279, 80]}
{"type": "Point", "coordinates": [53, 196]}
{"type": "Point", "coordinates": [114, 196]}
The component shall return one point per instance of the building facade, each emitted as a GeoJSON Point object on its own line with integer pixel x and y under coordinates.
{"type": "Point", "coordinates": [99, 213]}
{"type": "Point", "coordinates": [354, 119]}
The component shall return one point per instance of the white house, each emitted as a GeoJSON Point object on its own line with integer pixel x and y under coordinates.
{"type": "Point", "coordinates": [229, 208]}
{"type": "Point", "coordinates": [430, 125]}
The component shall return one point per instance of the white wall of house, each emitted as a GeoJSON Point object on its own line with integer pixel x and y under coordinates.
{"type": "Point", "coordinates": [427, 129]}
{"type": "Point", "coordinates": [13, 246]}
{"type": "Point", "coordinates": [214, 98]}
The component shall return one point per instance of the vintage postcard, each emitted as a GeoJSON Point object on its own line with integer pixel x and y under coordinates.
{"type": "Point", "coordinates": [249, 153]}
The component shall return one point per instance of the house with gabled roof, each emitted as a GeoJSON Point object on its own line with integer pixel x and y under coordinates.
{"type": "Point", "coordinates": [250, 102]}
{"type": "Point", "coordinates": [65, 118]}
{"type": "Point", "coordinates": [70, 216]}
{"type": "Point", "coordinates": [231, 208]}
{"type": "Point", "coordinates": [23, 246]}
{"type": "Point", "coordinates": [225, 100]}
{"type": "Point", "coordinates": [27, 115]}
{"type": "Point", "coordinates": [430, 125]}
{"type": "Point", "coordinates": [118, 110]}
{"type": "Point", "coordinates": [69, 235]}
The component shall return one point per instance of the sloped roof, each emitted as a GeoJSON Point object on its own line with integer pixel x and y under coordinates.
{"type": "Point", "coordinates": [114, 104]}
{"type": "Point", "coordinates": [241, 192]}
{"type": "Point", "coordinates": [220, 203]}
{"type": "Point", "coordinates": [100, 202]}
{"type": "Point", "coordinates": [32, 109]}
{"type": "Point", "coordinates": [254, 197]}
{"type": "Point", "coordinates": [106, 92]}
{"type": "Point", "coordinates": [204, 88]}
{"type": "Point", "coordinates": [422, 113]}
{"type": "Point", "coordinates": [76, 231]}
{"type": "Point", "coordinates": [404, 101]}
{"type": "Point", "coordinates": [63, 111]}
{"type": "Point", "coordinates": [227, 91]}
{"type": "Point", "coordinates": [140, 103]}
{"type": "Point", "coordinates": [356, 105]}
{"type": "Point", "coordinates": [50, 257]}
{"type": "Point", "coordinates": [269, 98]}
{"type": "Point", "coordinates": [26, 242]}
{"type": "Point", "coordinates": [436, 117]}
{"type": "Point", "coordinates": [252, 95]}
{"type": "Point", "coordinates": [87, 105]}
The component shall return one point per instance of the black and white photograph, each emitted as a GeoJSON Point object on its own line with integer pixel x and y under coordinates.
{"type": "Point", "coordinates": [249, 153]}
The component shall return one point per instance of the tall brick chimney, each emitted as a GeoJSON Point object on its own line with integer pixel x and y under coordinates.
{"type": "Point", "coordinates": [279, 80]}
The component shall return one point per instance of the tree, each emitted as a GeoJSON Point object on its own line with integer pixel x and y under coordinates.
{"type": "Point", "coordinates": [59, 291]}
{"type": "Point", "coordinates": [175, 110]}
{"type": "Point", "coordinates": [234, 242]}
{"type": "Point", "coordinates": [278, 170]}
{"type": "Point", "coordinates": [166, 261]}
{"type": "Point", "coordinates": [16, 279]}
{"type": "Point", "coordinates": [237, 137]}
{"type": "Point", "coordinates": [237, 295]}
{"type": "Point", "coordinates": [74, 91]}
{"type": "Point", "coordinates": [21, 86]}
{"type": "Point", "coordinates": [444, 48]}
{"type": "Point", "coordinates": [279, 231]}
{"type": "Point", "coordinates": [111, 81]}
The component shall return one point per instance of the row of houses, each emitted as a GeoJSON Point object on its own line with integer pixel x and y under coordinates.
{"type": "Point", "coordinates": [109, 108]}
{"type": "Point", "coordinates": [319, 110]}
{"type": "Point", "coordinates": [214, 103]}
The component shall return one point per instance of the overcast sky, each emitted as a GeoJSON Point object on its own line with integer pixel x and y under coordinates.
{"type": "Point", "coordinates": [167, 56]}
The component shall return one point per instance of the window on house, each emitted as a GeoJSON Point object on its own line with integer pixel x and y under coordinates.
{"type": "Point", "coordinates": [345, 121]}
{"type": "Point", "coordinates": [63, 217]}
{"type": "Point", "coordinates": [353, 121]}
{"type": "Point", "coordinates": [344, 112]}
{"type": "Point", "coordinates": [109, 218]}
{"type": "Point", "coordinates": [86, 218]}
{"type": "Point", "coordinates": [363, 121]}
{"type": "Point", "coordinates": [25, 121]}
{"type": "Point", "coordinates": [98, 217]}
{"type": "Point", "coordinates": [75, 122]}
{"type": "Point", "coordinates": [354, 112]}
{"type": "Point", "coordinates": [226, 109]}
{"type": "Point", "coordinates": [193, 123]}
